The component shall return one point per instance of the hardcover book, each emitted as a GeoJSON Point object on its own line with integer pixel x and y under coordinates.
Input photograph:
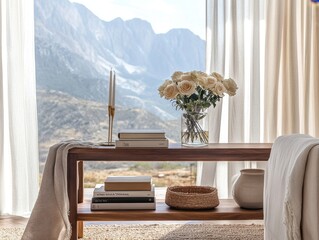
{"type": "Point", "coordinates": [128, 183]}
{"type": "Point", "coordinates": [123, 206]}
{"type": "Point", "coordinates": [123, 200]}
{"type": "Point", "coordinates": [100, 192]}
{"type": "Point", "coordinates": [141, 134]}
{"type": "Point", "coordinates": [141, 143]}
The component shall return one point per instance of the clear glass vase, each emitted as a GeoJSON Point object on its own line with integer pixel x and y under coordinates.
{"type": "Point", "coordinates": [194, 129]}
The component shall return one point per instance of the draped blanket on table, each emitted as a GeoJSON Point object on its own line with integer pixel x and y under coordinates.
{"type": "Point", "coordinates": [49, 218]}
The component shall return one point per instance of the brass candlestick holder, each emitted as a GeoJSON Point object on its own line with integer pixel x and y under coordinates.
{"type": "Point", "coordinates": [111, 113]}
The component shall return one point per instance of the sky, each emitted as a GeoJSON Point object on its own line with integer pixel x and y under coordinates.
{"type": "Point", "coordinates": [162, 14]}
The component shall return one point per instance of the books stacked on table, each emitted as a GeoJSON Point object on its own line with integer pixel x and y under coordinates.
{"type": "Point", "coordinates": [141, 138]}
{"type": "Point", "coordinates": [123, 193]}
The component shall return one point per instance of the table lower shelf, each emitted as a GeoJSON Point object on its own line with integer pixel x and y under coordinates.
{"type": "Point", "coordinates": [227, 210]}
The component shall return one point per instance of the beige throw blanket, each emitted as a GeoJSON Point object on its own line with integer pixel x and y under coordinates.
{"type": "Point", "coordinates": [49, 218]}
{"type": "Point", "coordinates": [284, 181]}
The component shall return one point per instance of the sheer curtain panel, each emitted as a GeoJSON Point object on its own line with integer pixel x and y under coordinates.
{"type": "Point", "coordinates": [19, 169]}
{"type": "Point", "coordinates": [292, 66]}
{"type": "Point", "coordinates": [235, 48]}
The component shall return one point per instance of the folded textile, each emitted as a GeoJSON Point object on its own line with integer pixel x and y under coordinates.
{"type": "Point", "coordinates": [49, 218]}
{"type": "Point", "coordinates": [283, 189]}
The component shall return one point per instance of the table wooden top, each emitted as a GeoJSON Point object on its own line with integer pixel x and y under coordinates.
{"type": "Point", "coordinates": [176, 152]}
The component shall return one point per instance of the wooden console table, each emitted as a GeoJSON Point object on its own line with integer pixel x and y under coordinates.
{"type": "Point", "coordinates": [227, 210]}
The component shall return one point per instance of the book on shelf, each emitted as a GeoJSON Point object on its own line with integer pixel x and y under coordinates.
{"type": "Point", "coordinates": [122, 199]}
{"type": "Point", "coordinates": [142, 143]}
{"type": "Point", "coordinates": [128, 183]}
{"type": "Point", "coordinates": [123, 206]}
{"type": "Point", "coordinates": [141, 134]}
{"type": "Point", "coordinates": [99, 191]}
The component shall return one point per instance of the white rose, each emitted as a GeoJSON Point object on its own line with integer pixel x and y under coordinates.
{"type": "Point", "coordinates": [176, 77]}
{"type": "Point", "coordinates": [187, 77]}
{"type": "Point", "coordinates": [171, 91]}
{"type": "Point", "coordinates": [201, 77]}
{"type": "Point", "coordinates": [210, 82]}
{"type": "Point", "coordinates": [219, 89]}
{"type": "Point", "coordinates": [198, 77]}
{"type": "Point", "coordinates": [230, 86]}
{"type": "Point", "coordinates": [217, 76]}
{"type": "Point", "coordinates": [200, 74]}
{"type": "Point", "coordinates": [163, 86]}
{"type": "Point", "coordinates": [186, 87]}
{"type": "Point", "coordinates": [201, 81]}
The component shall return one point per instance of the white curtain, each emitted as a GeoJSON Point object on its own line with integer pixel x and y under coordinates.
{"type": "Point", "coordinates": [292, 65]}
{"type": "Point", "coordinates": [18, 122]}
{"type": "Point", "coordinates": [235, 48]}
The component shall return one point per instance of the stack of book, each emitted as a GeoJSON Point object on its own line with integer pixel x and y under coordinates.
{"type": "Point", "coordinates": [124, 192]}
{"type": "Point", "coordinates": [141, 138]}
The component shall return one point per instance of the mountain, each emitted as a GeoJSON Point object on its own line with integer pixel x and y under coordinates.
{"type": "Point", "coordinates": [75, 51]}
{"type": "Point", "coordinates": [61, 117]}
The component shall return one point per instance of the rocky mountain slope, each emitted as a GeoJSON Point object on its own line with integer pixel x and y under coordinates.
{"type": "Point", "coordinates": [63, 117]}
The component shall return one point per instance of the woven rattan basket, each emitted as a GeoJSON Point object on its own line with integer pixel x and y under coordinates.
{"type": "Point", "coordinates": [192, 197]}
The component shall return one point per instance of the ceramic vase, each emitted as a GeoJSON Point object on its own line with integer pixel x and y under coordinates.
{"type": "Point", "coordinates": [248, 189]}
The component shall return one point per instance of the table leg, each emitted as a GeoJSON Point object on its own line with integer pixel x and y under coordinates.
{"type": "Point", "coordinates": [80, 229]}
{"type": "Point", "coordinates": [80, 179]}
{"type": "Point", "coordinates": [73, 195]}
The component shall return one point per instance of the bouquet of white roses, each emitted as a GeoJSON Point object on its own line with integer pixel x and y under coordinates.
{"type": "Point", "coordinates": [195, 91]}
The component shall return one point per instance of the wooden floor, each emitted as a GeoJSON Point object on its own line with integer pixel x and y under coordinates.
{"type": "Point", "coordinates": [16, 221]}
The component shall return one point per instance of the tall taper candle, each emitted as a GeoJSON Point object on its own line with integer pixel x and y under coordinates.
{"type": "Point", "coordinates": [110, 88]}
{"type": "Point", "coordinates": [113, 89]}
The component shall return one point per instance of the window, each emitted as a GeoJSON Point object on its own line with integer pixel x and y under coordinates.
{"type": "Point", "coordinates": [143, 41]}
